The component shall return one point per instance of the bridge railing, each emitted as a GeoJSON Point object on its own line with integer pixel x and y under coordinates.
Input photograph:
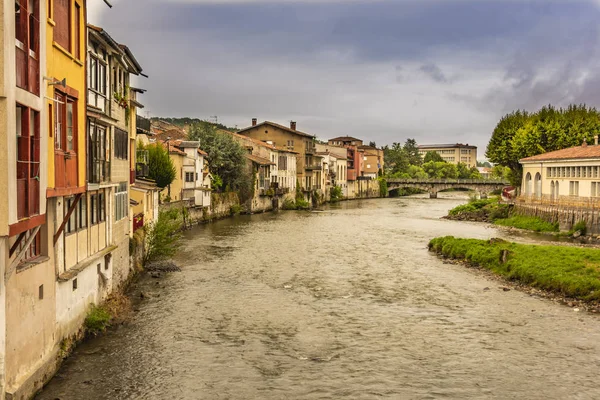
{"type": "Point", "coordinates": [451, 181]}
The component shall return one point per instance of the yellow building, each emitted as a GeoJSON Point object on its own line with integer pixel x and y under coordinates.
{"type": "Point", "coordinates": [308, 167]}
{"type": "Point", "coordinates": [452, 153]}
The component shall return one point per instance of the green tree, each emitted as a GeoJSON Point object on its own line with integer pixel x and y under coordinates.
{"type": "Point", "coordinates": [463, 171]}
{"type": "Point", "coordinates": [500, 148]}
{"type": "Point", "coordinates": [474, 173]}
{"type": "Point", "coordinates": [160, 166]}
{"type": "Point", "coordinates": [372, 144]}
{"type": "Point", "coordinates": [412, 152]}
{"type": "Point", "coordinates": [226, 158]}
{"type": "Point", "coordinates": [163, 236]}
{"type": "Point", "coordinates": [432, 156]}
{"type": "Point", "coordinates": [396, 160]}
{"type": "Point", "coordinates": [440, 170]}
{"type": "Point", "coordinates": [484, 164]}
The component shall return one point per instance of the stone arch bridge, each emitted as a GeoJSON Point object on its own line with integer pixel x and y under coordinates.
{"type": "Point", "coordinates": [433, 186]}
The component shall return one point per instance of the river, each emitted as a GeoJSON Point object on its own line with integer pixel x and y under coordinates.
{"type": "Point", "coordinates": [343, 303]}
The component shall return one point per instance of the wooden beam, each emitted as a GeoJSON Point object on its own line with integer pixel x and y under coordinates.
{"type": "Point", "coordinates": [62, 226]}
{"type": "Point", "coordinates": [16, 245]}
{"type": "Point", "coordinates": [21, 254]}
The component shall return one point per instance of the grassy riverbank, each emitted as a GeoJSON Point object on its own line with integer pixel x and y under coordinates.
{"type": "Point", "coordinates": [529, 223]}
{"type": "Point", "coordinates": [572, 272]}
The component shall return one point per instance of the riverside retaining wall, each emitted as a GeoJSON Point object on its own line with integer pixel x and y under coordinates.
{"type": "Point", "coordinates": [566, 217]}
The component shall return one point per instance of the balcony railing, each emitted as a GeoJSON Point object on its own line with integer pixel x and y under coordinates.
{"type": "Point", "coordinates": [313, 167]}
{"type": "Point", "coordinates": [310, 150]}
{"type": "Point", "coordinates": [142, 123]}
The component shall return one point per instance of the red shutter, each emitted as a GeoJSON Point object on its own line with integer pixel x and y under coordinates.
{"type": "Point", "coordinates": [62, 19]}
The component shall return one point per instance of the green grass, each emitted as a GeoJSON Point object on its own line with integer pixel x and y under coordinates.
{"type": "Point", "coordinates": [472, 206]}
{"type": "Point", "coordinates": [97, 320]}
{"type": "Point", "coordinates": [570, 271]}
{"type": "Point", "coordinates": [530, 223]}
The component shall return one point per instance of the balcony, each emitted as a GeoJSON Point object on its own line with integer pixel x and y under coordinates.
{"type": "Point", "coordinates": [141, 170]}
{"type": "Point", "coordinates": [310, 151]}
{"type": "Point", "coordinates": [313, 167]}
{"type": "Point", "coordinates": [142, 124]}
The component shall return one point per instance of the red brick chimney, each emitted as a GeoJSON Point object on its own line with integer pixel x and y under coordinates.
{"type": "Point", "coordinates": [253, 121]}
{"type": "Point", "coordinates": [293, 125]}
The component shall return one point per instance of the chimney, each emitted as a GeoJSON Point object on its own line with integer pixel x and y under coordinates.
{"type": "Point", "coordinates": [293, 125]}
{"type": "Point", "coordinates": [596, 140]}
{"type": "Point", "coordinates": [584, 143]}
{"type": "Point", "coordinates": [253, 121]}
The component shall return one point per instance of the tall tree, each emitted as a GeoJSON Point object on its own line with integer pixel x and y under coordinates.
{"type": "Point", "coordinates": [160, 166]}
{"type": "Point", "coordinates": [226, 158]}
{"type": "Point", "coordinates": [412, 152]}
{"type": "Point", "coordinates": [372, 144]}
{"type": "Point", "coordinates": [432, 156]}
{"type": "Point", "coordinates": [500, 148]}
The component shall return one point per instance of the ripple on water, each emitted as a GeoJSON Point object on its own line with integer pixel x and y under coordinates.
{"type": "Point", "coordinates": [345, 303]}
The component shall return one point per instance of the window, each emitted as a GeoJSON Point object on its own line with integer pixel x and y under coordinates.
{"type": "Point", "coordinates": [97, 207]}
{"type": "Point", "coordinates": [77, 31]}
{"type": "Point", "coordinates": [65, 126]}
{"type": "Point", "coordinates": [34, 250]}
{"type": "Point", "coordinates": [574, 188]}
{"type": "Point", "coordinates": [82, 213]}
{"type": "Point", "coordinates": [27, 35]}
{"type": "Point", "coordinates": [97, 80]}
{"type": "Point", "coordinates": [189, 177]}
{"type": "Point", "coordinates": [71, 225]}
{"type": "Point", "coordinates": [28, 162]}
{"type": "Point", "coordinates": [98, 160]}
{"type": "Point", "coordinates": [121, 202]}
{"type": "Point", "coordinates": [121, 142]}
{"type": "Point", "coordinates": [62, 18]}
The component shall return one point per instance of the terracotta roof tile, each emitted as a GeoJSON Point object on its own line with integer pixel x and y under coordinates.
{"type": "Point", "coordinates": [259, 160]}
{"type": "Point", "coordinates": [282, 127]}
{"type": "Point", "coordinates": [579, 152]}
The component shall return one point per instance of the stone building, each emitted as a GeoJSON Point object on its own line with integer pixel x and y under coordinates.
{"type": "Point", "coordinates": [452, 153]}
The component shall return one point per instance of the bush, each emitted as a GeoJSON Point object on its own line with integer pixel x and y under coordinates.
{"type": "Point", "coordinates": [335, 194]}
{"type": "Point", "coordinates": [288, 204]}
{"type": "Point", "coordinates": [579, 227]}
{"type": "Point", "coordinates": [383, 187]}
{"type": "Point", "coordinates": [163, 236]}
{"type": "Point", "coordinates": [235, 209]}
{"type": "Point", "coordinates": [97, 320]}
{"type": "Point", "coordinates": [302, 204]}
{"type": "Point", "coordinates": [530, 223]}
{"type": "Point", "coordinates": [472, 205]}
{"type": "Point", "coordinates": [570, 271]}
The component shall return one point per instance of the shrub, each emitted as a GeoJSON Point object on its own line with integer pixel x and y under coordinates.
{"type": "Point", "coordinates": [288, 204]}
{"type": "Point", "coordinates": [97, 320]}
{"type": "Point", "coordinates": [335, 194]}
{"type": "Point", "coordinates": [235, 209]}
{"type": "Point", "coordinates": [383, 187]}
{"type": "Point", "coordinates": [302, 204]}
{"type": "Point", "coordinates": [163, 236]}
{"type": "Point", "coordinates": [580, 227]}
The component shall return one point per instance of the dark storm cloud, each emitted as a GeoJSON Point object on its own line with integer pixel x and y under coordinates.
{"type": "Point", "coordinates": [385, 70]}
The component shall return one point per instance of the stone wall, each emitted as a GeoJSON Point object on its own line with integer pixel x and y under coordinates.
{"type": "Point", "coordinates": [565, 216]}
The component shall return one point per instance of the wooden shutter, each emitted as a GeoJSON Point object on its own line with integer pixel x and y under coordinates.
{"type": "Point", "coordinates": [62, 19]}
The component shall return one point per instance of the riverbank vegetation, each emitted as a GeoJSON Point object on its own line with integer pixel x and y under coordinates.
{"type": "Point", "coordinates": [163, 236]}
{"type": "Point", "coordinates": [569, 271]}
{"type": "Point", "coordinates": [529, 223]}
{"type": "Point", "coordinates": [480, 210]}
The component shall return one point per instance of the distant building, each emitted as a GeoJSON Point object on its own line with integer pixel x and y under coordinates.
{"type": "Point", "coordinates": [372, 161]}
{"type": "Point", "coordinates": [452, 153]}
{"type": "Point", "coordinates": [355, 161]}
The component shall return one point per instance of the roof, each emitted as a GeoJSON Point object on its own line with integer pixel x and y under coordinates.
{"type": "Point", "coordinates": [147, 184]}
{"type": "Point", "coordinates": [202, 152]}
{"type": "Point", "coordinates": [365, 147]}
{"type": "Point", "coordinates": [132, 202]}
{"type": "Point", "coordinates": [174, 133]}
{"type": "Point", "coordinates": [282, 127]}
{"type": "Point", "coordinates": [446, 146]}
{"type": "Point", "coordinates": [136, 65]}
{"type": "Point", "coordinates": [346, 139]}
{"type": "Point", "coordinates": [107, 38]}
{"type": "Point", "coordinates": [579, 152]}
{"type": "Point", "coordinates": [257, 142]}
{"type": "Point", "coordinates": [173, 147]}
{"type": "Point", "coordinates": [259, 160]}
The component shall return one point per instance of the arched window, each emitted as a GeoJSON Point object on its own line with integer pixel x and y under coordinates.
{"type": "Point", "coordinates": [528, 184]}
{"type": "Point", "coordinates": [552, 190]}
{"type": "Point", "coordinates": [556, 191]}
{"type": "Point", "coordinates": [538, 185]}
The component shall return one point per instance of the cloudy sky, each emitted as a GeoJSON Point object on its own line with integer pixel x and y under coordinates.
{"type": "Point", "coordinates": [382, 70]}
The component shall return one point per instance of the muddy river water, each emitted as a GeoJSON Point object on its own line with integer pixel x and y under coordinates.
{"type": "Point", "coordinates": [343, 303]}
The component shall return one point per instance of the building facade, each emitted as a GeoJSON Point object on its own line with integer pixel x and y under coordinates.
{"type": "Point", "coordinates": [308, 166]}
{"type": "Point", "coordinates": [452, 153]}
{"type": "Point", "coordinates": [564, 176]}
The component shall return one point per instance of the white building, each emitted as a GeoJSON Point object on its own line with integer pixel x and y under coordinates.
{"type": "Point", "coordinates": [568, 175]}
